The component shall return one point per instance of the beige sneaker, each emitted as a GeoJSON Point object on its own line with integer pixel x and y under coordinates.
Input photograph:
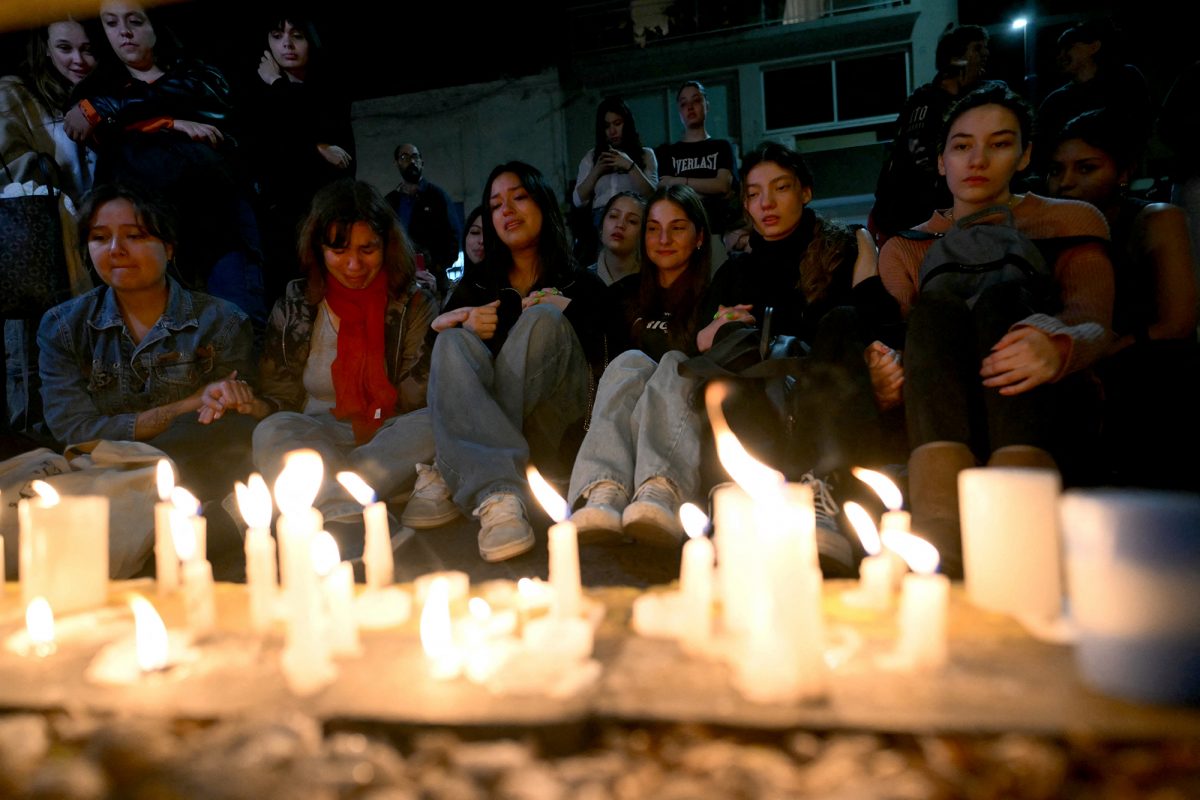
{"type": "Point", "coordinates": [430, 504]}
{"type": "Point", "coordinates": [601, 517]}
{"type": "Point", "coordinates": [653, 516]}
{"type": "Point", "coordinates": [504, 531]}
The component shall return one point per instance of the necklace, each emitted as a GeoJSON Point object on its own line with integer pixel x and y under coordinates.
{"type": "Point", "coordinates": [1013, 199]}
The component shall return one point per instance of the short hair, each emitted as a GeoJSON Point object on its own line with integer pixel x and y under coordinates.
{"type": "Point", "coordinates": [953, 43]}
{"type": "Point", "coordinates": [1096, 30]}
{"type": "Point", "coordinates": [156, 216]}
{"type": "Point", "coordinates": [991, 93]}
{"type": "Point", "coordinates": [696, 84]}
{"type": "Point", "coordinates": [554, 250]}
{"type": "Point", "coordinates": [274, 18]}
{"type": "Point", "coordinates": [334, 211]}
{"type": "Point", "coordinates": [1104, 130]}
{"type": "Point", "coordinates": [776, 153]}
{"type": "Point", "coordinates": [396, 152]}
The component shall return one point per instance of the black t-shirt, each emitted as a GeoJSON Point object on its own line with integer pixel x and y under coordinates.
{"type": "Point", "coordinates": [702, 160]}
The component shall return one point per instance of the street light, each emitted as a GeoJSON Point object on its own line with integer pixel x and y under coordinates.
{"type": "Point", "coordinates": [1022, 24]}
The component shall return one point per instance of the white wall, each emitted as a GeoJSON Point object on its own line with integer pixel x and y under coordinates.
{"type": "Point", "coordinates": [464, 131]}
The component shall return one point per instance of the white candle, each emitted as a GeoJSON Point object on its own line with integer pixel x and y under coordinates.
{"type": "Point", "coordinates": [458, 585]}
{"type": "Point", "coordinates": [377, 547]}
{"type": "Point", "coordinates": [198, 601]}
{"type": "Point", "coordinates": [892, 520]}
{"type": "Point", "coordinates": [734, 537]}
{"type": "Point", "coordinates": [337, 586]}
{"type": "Point", "coordinates": [924, 602]}
{"type": "Point", "coordinates": [874, 590]}
{"type": "Point", "coordinates": [563, 540]}
{"type": "Point", "coordinates": [63, 549]}
{"type": "Point", "coordinates": [39, 625]}
{"type": "Point", "coordinates": [150, 635]}
{"type": "Point", "coordinates": [696, 577]}
{"type": "Point", "coordinates": [254, 503]}
{"type": "Point", "coordinates": [437, 635]}
{"type": "Point", "coordinates": [166, 562]}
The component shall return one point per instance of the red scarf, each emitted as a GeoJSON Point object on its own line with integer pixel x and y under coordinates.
{"type": "Point", "coordinates": [360, 381]}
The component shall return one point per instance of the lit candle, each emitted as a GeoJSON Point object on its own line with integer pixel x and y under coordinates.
{"type": "Point", "coordinates": [894, 519]}
{"type": "Point", "coordinates": [563, 540]}
{"type": "Point", "coordinates": [875, 571]}
{"type": "Point", "coordinates": [458, 585]}
{"type": "Point", "coordinates": [198, 600]}
{"type": "Point", "coordinates": [63, 549]}
{"type": "Point", "coordinates": [696, 577]}
{"type": "Point", "coordinates": [39, 624]}
{"type": "Point", "coordinates": [437, 636]}
{"type": "Point", "coordinates": [3, 575]}
{"type": "Point", "coordinates": [150, 635]}
{"type": "Point", "coordinates": [377, 547]}
{"type": "Point", "coordinates": [166, 562]}
{"type": "Point", "coordinates": [254, 503]}
{"type": "Point", "coordinates": [337, 584]}
{"type": "Point", "coordinates": [924, 600]}
{"type": "Point", "coordinates": [186, 502]}
{"type": "Point", "coordinates": [481, 655]}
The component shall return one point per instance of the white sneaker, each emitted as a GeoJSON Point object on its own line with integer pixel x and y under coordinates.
{"type": "Point", "coordinates": [430, 504]}
{"type": "Point", "coordinates": [504, 531]}
{"type": "Point", "coordinates": [653, 516]}
{"type": "Point", "coordinates": [602, 513]}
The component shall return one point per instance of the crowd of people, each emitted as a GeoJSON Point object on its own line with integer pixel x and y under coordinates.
{"type": "Point", "coordinates": [253, 297]}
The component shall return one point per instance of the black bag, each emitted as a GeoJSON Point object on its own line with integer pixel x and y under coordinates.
{"type": "Point", "coordinates": [33, 266]}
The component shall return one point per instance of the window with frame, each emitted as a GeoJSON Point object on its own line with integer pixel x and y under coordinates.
{"type": "Point", "coordinates": [835, 93]}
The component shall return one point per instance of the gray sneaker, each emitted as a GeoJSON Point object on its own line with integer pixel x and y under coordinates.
{"type": "Point", "coordinates": [430, 504]}
{"type": "Point", "coordinates": [834, 550]}
{"type": "Point", "coordinates": [602, 514]}
{"type": "Point", "coordinates": [504, 531]}
{"type": "Point", "coordinates": [653, 516]}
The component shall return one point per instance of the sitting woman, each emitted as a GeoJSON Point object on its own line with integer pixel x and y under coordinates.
{"type": "Point", "coordinates": [813, 279]}
{"type": "Point", "coordinates": [620, 238]}
{"type": "Point", "coordinates": [644, 437]}
{"type": "Point", "coordinates": [138, 358]}
{"type": "Point", "coordinates": [345, 365]}
{"type": "Point", "coordinates": [509, 381]}
{"type": "Point", "coordinates": [999, 380]}
{"type": "Point", "coordinates": [1151, 374]}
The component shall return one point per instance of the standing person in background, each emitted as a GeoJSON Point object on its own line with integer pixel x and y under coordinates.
{"type": "Point", "coordinates": [32, 107]}
{"type": "Point", "coordinates": [909, 187]}
{"type": "Point", "coordinates": [617, 163]}
{"type": "Point", "coordinates": [427, 214]}
{"type": "Point", "coordinates": [299, 136]}
{"type": "Point", "coordinates": [701, 162]}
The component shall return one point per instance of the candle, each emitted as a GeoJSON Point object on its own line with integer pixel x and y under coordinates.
{"type": "Point", "coordinates": [187, 503]}
{"type": "Point", "coordinates": [166, 562]}
{"type": "Point", "coordinates": [3, 574]}
{"type": "Point", "coordinates": [563, 542]}
{"type": "Point", "coordinates": [458, 585]}
{"type": "Point", "coordinates": [734, 537]}
{"type": "Point", "coordinates": [377, 548]}
{"type": "Point", "coordinates": [254, 503]}
{"type": "Point", "coordinates": [198, 600]}
{"type": "Point", "coordinates": [63, 549]}
{"type": "Point", "coordinates": [337, 585]}
{"type": "Point", "coordinates": [437, 637]}
{"type": "Point", "coordinates": [924, 599]}
{"type": "Point", "coordinates": [874, 589]}
{"type": "Point", "coordinates": [150, 635]}
{"type": "Point", "coordinates": [39, 624]}
{"type": "Point", "coordinates": [892, 520]}
{"type": "Point", "coordinates": [696, 577]}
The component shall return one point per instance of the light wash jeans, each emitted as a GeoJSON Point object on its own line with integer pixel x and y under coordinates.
{"type": "Point", "coordinates": [489, 414]}
{"type": "Point", "coordinates": [643, 426]}
{"type": "Point", "coordinates": [386, 462]}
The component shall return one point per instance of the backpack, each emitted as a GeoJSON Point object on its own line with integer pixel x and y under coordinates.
{"type": "Point", "coordinates": [973, 256]}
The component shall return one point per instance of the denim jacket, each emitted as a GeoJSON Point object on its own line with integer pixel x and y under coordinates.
{"type": "Point", "coordinates": [95, 380]}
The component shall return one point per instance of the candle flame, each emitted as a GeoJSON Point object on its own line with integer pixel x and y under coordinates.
{"type": "Point", "coordinates": [39, 622]}
{"type": "Point", "coordinates": [185, 501]}
{"type": "Point", "coordinates": [479, 608]}
{"type": "Point", "coordinates": [183, 534]}
{"type": "Point", "coordinates": [325, 553]}
{"type": "Point", "coordinates": [694, 520]}
{"type": "Point", "coordinates": [920, 555]}
{"type": "Point", "coordinates": [550, 500]}
{"type": "Point", "coordinates": [298, 483]}
{"type": "Point", "coordinates": [165, 478]}
{"type": "Point", "coordinates": [756, 479]}
{"type": "Point", "coordinates": [254, 501]}
{"type": "Point", "coordinates": [362, 493]}
{"type": "Point", "coordinates": [150, 634]}
{"type": "Point", "coordinates": [46, 492]}
{"type": "Point", "coordinates": [437, 638]}
{"type": "Point", "coordinates": [864, 526]}
{"type": "Point", "coordinates": [888, 491]}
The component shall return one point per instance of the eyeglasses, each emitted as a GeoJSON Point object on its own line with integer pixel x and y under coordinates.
{"type": "Point", "coordinates": [404, 158]}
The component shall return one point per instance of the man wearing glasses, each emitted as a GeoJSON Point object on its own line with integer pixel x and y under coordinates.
{"type": "Point", "coordinates": [426, 213]}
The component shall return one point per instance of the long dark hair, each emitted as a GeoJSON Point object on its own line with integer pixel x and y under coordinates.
{"type": "Point", "coordinates": [631, 140]}
{"type": "Point", "coordinates": [156, 216]}
{"type": "Point", "coordinates": [991, 94]}
{"type": "Point", "coordinates": [474, 214]}
{"type": "Point", "coordinates": [46, 82]}
{"type": "Point", "coordinates": [334, 211]}
{"type": "Point", "coordinates": [682, 298]}
{"type": "Point", "coordinates": [554, 250]}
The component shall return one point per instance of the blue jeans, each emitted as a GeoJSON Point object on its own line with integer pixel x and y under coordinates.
{"type": "Point", "coordinates": [490, 416]}
{"type": "Point", "coordinates": [643, 426]}
{"type": "Point", "coordinates": [386, 462]}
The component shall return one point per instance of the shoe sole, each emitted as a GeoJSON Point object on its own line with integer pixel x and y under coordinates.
{"type": "Point", "coordinates": [430, 522]}
{"type": "Point", "coordinates": [596, 527]}
{"type": "Point", "coordinates": [510, 550]}
{"type": "Point", "coordinates": [650, 535]}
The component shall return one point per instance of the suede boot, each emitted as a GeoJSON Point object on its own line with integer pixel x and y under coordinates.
{"type": "Point", "coordinates": [1022, 455]}
{"type": "Point", "coordinates": [933, 495]}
